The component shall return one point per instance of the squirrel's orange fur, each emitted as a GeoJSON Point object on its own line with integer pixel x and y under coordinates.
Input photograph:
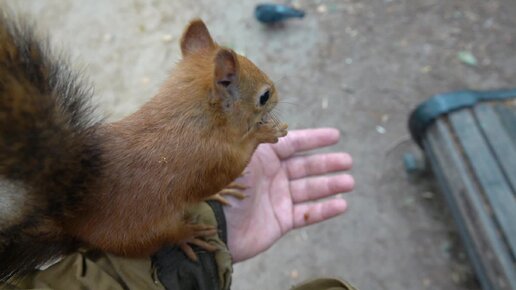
{"type": "Point", "coordinates": [186, 144]}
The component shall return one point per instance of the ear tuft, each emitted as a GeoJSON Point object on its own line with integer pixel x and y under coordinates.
{"type": "Point", "coordinates": [196, 37]}
{"type": "Point", "coordinates": [226, 67]}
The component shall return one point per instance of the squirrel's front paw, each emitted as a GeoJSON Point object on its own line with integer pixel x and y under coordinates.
{"type": "Point", "coordinates": [194, 233]}
{"type": "Point", "coordinates": [269, 133]}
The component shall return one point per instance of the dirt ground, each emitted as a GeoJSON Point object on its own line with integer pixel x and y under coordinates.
{"type": "Point", "coordinates": [360, 66]}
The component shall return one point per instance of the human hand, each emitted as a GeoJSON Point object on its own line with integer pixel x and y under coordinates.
{"type": "Point", "coordinates": [281, 185]}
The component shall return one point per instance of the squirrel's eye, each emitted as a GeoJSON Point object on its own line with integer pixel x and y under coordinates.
{"type": "Point", "coordinates": [264, 98]}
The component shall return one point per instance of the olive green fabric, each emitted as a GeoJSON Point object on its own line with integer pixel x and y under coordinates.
{"type": "Point", "coordinates": [89, 269]}
{"type": "Point", "coordinates": [325, 284]}
{"type": "Point", "coordinates": [92, 270]}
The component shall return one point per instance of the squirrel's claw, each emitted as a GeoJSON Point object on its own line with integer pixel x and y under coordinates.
{"type": "Point", "coordinates": [197, 231]}
{"type": "Point", "coordinates": [234, 189]}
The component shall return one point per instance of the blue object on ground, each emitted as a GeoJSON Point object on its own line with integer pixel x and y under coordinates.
{"type": "Point", "coordinates": [411, 163]}
{"type": "Point", "coordinates": [272, 13]}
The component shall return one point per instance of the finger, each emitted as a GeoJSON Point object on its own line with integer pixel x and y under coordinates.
{"type": "Point", "coordinates": [303, 140]}
{"type": "Point", "coordinates": [302, 166]}
{"type": "Point", "coordinates": [307, 189]}
{"type": "Point", "coordinates": [307, 214]}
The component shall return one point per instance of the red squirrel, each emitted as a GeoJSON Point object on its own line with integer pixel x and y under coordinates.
{"type": "Point", "coordinates": [186, 144]}
{"type": "Point", "coordinates": [121, 187]}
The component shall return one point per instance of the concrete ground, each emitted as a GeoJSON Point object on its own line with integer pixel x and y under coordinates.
{"type": "Point", "coordinates": [360, 66]}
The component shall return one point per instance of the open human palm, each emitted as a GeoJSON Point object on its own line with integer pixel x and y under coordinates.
{"type": "Point", "coordinates": [284, 188]}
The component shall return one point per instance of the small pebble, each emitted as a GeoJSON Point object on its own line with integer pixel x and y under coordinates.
{"type": "Point", "coordinates": [322, 8]}
{"type": "Point", "coordinates": [294, 274]}
{"type": "Point", "coordinates": [426, 69]}
{"type": "Point", "coordinates": [467, 57]}
{"type": "Point", "coordinates": [166, 38]}
{"type": "Point", "coordinates": [348, 60]}
{"type": "Point", "coordinates": [145, 81]}
{"type": "Point", "coordinates": [408, 201]}
{"type": "Point", "coordinates": [380, 129]}
{"type": "Point", "coordinates": [108, 37]}
{"type": "Point", "coordinates": [324, 103]}
{"type": "Point", "coordinates": [347, 89]}
{"type": "Point", "coordinates": [471, 16]}
{"type": "Point", "coordinates": [426, 282]}
{"type": "Point", "coordinates": [427, 195]}
{"type": "Point", "coordinates": [385, 118]}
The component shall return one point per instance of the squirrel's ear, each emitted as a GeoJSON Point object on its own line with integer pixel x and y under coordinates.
{"type": "Point", "coordinates": [196, 38]}
{"type": "Point", "coordinates": [226, 67]}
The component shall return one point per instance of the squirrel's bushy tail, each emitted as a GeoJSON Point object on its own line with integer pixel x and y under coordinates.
{"type": "Point", "coordinates": [48, 150]}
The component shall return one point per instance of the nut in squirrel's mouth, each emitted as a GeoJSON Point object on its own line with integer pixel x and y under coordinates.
{"type": "Point", "coordinates": [269, 117]}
